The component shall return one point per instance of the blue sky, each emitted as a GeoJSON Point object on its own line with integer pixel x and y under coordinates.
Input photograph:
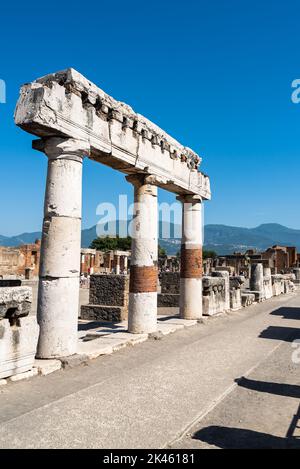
{"type": "Point", "coordinates": [215, 74]}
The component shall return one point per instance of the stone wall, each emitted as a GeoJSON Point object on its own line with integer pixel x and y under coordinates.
{"type": "Point", "coordinates": [170, 289]}
{"type": "Point", "coordinates": [108, 300]}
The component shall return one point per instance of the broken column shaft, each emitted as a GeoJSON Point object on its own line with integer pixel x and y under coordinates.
{"type": "Point", "coordinates": [60, 251]}
{"type": "Point", "coordinates": [142, 312]}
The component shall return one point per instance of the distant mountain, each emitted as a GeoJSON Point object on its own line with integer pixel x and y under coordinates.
{"type": "Point", "coordinates": [221, 238]}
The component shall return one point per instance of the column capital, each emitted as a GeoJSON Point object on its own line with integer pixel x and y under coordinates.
{"type": "Point", "coordinates": [189, 198]}
{"type": "Point", "coordinates": [62, 148]}
{"type": "Point", "coordinates": [141, 179]}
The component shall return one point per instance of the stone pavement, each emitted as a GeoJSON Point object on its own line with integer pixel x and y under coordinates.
{"type": "Point", "coordinates": [157, 393]}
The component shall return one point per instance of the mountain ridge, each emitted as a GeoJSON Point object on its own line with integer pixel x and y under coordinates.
{"type": "Point", "coordinates": [223, 239]}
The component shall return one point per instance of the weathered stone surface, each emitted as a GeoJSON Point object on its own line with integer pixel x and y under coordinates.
{"type": "Point", "coordinates": [15, 302]}
{"type": "Point", "coordinates": [67, 104]}
{"type": "Point", "coordinates": [214, 300]}
{"type": "Point", "coordinates": [25, 375]}
{"type": "Point", "coordinates": [17, 346]}
{"type": "Point", "coordinates": [225, 275]}
{"type": "Point", "coordinates": [109, 290]}
{"type": "Point", "coordinates": [103, 313]}
{"type": "Point", "coordinates": [268, 290]}
{"type": "Point", "coordinates": [248, 299]}
{"type": "Point", "coordinates": [257, 278]}
{"type": "Point", "coordinates": [165, 300]}
{"type": "Point", "coordinates": [45, 367]}
{"type": "Point", "coordinates": [170, 282]}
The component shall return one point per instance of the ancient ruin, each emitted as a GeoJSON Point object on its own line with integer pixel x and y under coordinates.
{"type": "Point", "coordinates": [74, 118]}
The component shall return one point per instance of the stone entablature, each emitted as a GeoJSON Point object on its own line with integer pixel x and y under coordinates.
{"type": "Point", "coordinates": [66, 104]}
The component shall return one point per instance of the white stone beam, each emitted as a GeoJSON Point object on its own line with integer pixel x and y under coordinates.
{"type": "Point", "coordinates": [66, 104]}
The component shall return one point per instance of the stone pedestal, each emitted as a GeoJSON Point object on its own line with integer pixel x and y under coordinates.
{"type": "Point", "coordinates": [191, 258]}
{"type": "Point", "coordinates": [142, 314]}
{"type": "Point", "coordinates": [236, 284]}
{"type": "Point", "coordinates": [214, 298]}
{"type": "Point", "coordinates": [224, 274]}
{"type": "Point", "coordinates": [268, 290]}
{"type": "Point", "coordinates": [17, 346]}
{"type": "Point", "coordinates": [60, 251]}
{"type": "Point", "coordinates": [18, 331]}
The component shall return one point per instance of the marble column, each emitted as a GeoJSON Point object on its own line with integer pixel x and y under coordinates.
{"type": "Point", "coordinates": [191, 258]}
{"type": "Point", "coordinates": [58, 295]}
{"type": "Point", "coordinates": [117, 264]}
{"type": "Point", "coordinates": [142, 312]}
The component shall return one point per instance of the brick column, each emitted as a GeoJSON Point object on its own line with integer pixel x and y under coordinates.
{"type": "Point", "coordinates": [142, 313]}
{"type": "Point", "coordinates": [191, 258]}
{"type": "Point", "coordinates": [60, 251]}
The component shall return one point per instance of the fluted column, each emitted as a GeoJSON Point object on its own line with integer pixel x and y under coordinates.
{"type": "Point", "coordinates": [142, 313]}
{"type": "Point", "coordinates": [191, 258]}
{"type": "Point", "coordinates": [60, 251]}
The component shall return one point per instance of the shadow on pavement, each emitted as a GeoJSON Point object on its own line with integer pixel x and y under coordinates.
{"type": "Point", "coordinates": [288, 390]}
{"type": "Point", "coordinates": [287, 334]}
{"type": "Point", "coordinates": [287, 313]}
{"type": "Point", "coordinates": [239, 438]}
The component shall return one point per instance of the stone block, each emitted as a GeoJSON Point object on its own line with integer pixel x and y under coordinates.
{"type": "Point", "coordinates": [17, 346]}
{"type": "Point", "coordinates": [214, 295]}
{"type": "Point", "coordinates": [168, 300]}
{"type": "Point", "coordinates": [170, 282]}
{"type": "Point", "coordinates": [103, 313]}
{"type": "Point", "coordinates": [45, 367]}
{"type": "Point", "coordinates": [15, 302]}
{"type": "Point", "coordinates": [25, 375]}
{"type": "Point", "coordinates": [247, 299]}
{"type": "Point", "coordinates": [109, 290]}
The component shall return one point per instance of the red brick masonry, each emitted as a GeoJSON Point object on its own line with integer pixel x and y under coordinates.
{"type": "Point", "coordinates": [191, 262]}
{"type": "Point", "coordinates": [143, 279]}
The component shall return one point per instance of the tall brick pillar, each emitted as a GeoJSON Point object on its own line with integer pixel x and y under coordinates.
{"type": "Point", "coordinates": [191, 258]}
{"type": "Point", "coordinates": [142, 312]}
{"type": "Point", "coordinates": [58, 295]}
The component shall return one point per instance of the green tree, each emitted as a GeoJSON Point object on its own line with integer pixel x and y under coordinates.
{"type": "Point", "coordinates": [209, 254]}
{"type": "Point", "coordinates": [111, 244]}
{"type": "Point", "coordinates": [161, 252]}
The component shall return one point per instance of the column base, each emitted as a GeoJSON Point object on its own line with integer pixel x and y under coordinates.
{"type": "Point", "coordinates": [191, 298]}
{"type": "Point", "coordinates": [142, 315]}
{"type": "Point", "coordinates": [58, 303]}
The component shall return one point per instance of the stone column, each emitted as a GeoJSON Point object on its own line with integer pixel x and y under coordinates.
{"type": "Point", "coordinates": [191, 258]}
{"type": "Point", "coordinates": [257, 277]}
{"type": "Point", "coordinates": [60, 251]}
{"type": "Point", "coordinates": [142, 312]}
{"type": "Point", "coordinates": [117, 264]}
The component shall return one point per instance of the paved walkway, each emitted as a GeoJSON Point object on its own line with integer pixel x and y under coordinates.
{"type": "Point", "coordinates": [154, 394]}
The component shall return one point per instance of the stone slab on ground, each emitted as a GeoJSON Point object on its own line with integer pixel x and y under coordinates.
{"type": "Point", "coordinates": [45, 367]}
{"type": "Point", "coordinates": [25, 375]}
